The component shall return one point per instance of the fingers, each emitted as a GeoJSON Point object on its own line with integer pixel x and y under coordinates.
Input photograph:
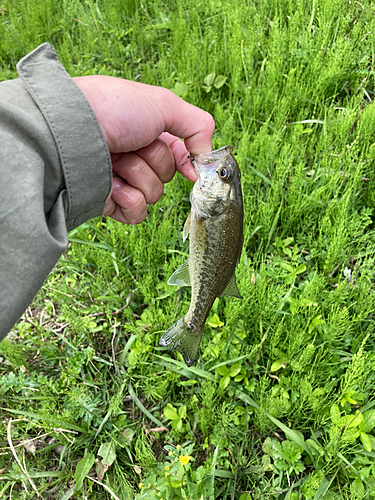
{"type": "Point", "coordinates": [147, 169]}
{"type": "Point", "coordinates": [139, 181]}
{"type": "Point", "coordinates": [131, 114]}
{"type": "Point", "coordinates": [125, 204]}
{"type": "Point", "coordinates": [160, 110]}
{"type": "Point", "coordinates": [142, 125]}
{"type": "Point", "coordinates": [139, 175]}
{"type": "Point", "coordinates": [192, 124]}
{"type": "Point", "coordinates": [160, 158]}
{"type": "Point", "coordinates": [181, 156]}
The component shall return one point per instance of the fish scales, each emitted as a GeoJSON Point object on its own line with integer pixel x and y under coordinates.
{"type": "Point", "coordinates": [215, 227]}
{"type": "Point", "coordinates": [208, 261]}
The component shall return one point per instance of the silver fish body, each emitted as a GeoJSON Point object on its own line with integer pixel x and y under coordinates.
{"type": "Point", "coordinates": [215, 228]}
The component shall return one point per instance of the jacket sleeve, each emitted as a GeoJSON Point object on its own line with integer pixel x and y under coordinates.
{"type": "Point", "coordinates": [55, 173]}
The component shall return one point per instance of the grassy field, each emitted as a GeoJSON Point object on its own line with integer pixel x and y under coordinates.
{"type": "Point", "coordinates": [281, 404]}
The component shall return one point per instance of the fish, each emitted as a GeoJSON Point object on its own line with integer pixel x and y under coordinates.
{"type": "Point", "coordinates": [215, 230]}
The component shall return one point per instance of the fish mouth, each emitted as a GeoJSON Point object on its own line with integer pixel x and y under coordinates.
{"type": "Point", "coordinates": [208, 161]}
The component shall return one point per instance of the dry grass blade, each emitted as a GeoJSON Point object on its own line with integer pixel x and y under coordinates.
{"type": "Point", "coordinates": [22, 467]}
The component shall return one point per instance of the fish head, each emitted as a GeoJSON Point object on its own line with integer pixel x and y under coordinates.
{"type": "Point", "coordinates": [218, 181]}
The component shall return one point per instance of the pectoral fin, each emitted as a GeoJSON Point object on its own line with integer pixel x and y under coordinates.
{"type": "Point", "coordinates": [231, 289]}
{"type": "Point", "coordinates": [181, 276]}
{"type": "Point", "coordinates": [186, 230]}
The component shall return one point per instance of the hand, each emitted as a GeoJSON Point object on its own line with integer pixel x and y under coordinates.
{"type": "Point", "coordinates": [142, 126]}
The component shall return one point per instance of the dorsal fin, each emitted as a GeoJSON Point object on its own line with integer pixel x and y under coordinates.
{"type": "Point", "coordinates": [186, 230]}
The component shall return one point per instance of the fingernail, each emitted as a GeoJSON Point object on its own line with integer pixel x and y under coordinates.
{"type": "Point", "coordinates": [118, 183]}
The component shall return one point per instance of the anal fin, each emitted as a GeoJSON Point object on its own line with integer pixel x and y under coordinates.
{"type": "Point", "coordinates": [231, 290]}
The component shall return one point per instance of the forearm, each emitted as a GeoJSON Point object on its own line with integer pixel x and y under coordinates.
{"type": "Point", "coordinates": [55, 173]}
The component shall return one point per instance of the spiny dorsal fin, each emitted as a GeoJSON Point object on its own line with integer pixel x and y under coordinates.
{"type": "Point", "coordinates": [186, 230]}
{"type": "Point", "coordinates": [181, 276]}
{"type": "Point", "coordinates": [231, 289]}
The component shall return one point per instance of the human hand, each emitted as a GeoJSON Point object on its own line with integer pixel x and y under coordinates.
{"type": "Point", "coordinates": [142, 126]}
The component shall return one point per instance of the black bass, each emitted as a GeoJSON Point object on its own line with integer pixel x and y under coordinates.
{"type": "Point", "coordinates": [215, 226]}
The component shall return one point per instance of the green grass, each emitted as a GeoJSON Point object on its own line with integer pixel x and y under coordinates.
{"type": "Point", "coordinates": [281, 402]}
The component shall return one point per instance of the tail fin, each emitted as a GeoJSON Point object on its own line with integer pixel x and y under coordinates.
{"type": "Point", "coordinates": [181, 338]}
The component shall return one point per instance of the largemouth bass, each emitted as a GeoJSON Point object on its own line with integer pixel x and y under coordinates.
{"type": "Point", "coordinates": [215, 227]}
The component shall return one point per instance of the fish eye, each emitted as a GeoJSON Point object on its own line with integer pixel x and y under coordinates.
{"type": "Point", "coordinates": [224, 174]}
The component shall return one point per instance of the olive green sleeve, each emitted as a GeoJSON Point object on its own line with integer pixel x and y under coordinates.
{"type": "Point", "coordinates": [55, 173]}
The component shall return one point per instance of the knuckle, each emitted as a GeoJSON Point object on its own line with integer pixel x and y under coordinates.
{"type": "Point", "coordinates": [167, 94]}
{"type": "Point", "coordinates": [138, 202]}
{"type": "Point", "coordinates": [159, 158]}
{"type": "Point", "coordinates": [156, 194]}
{"type": "Point", "coordinates": [138, 210]}
{"type": "Point", "coordinates": [157, 151]}
{"type": "Point", "coordinates": [137, 164]}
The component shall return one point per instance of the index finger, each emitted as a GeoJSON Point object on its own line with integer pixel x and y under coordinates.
{"type": "Point", "coordinates": [181, 156]}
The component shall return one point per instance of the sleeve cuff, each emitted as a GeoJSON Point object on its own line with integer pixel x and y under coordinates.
{"type": "Point", "coordinates": [83, 153]}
